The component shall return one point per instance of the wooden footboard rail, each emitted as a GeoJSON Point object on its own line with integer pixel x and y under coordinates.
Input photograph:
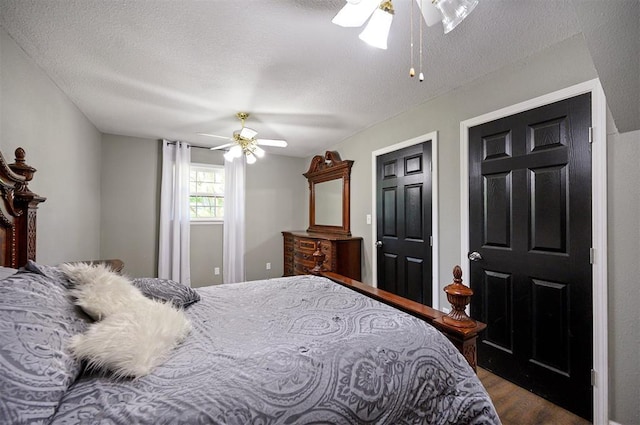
{"type": "Point", "coordinates": [461, 330]}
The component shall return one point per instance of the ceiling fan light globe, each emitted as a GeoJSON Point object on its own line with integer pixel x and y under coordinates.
{"type": "Point", "coordinates": [259, 152]}
{"type": "Point", "coordinates": [377, 30]}
{"type": "Point", "coordinates": [355, 14]}
{"type": "Point", "coordinates": [251, 159]}
{"type": "Point", "coordinates": [454, 11]}
{"type": "Point", "coordinates": [228, 156]}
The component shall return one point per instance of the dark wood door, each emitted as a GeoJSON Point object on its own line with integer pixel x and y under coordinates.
{"type": "Point", "coordinates": [404, 222]}
{"type": "Point", "coordinates": [530, 220]}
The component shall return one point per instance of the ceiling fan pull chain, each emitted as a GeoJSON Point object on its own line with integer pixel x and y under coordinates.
{"type": "Point", "coordinates": [412, 71]}
{"type": "Point", "coordinates": [421, 76]}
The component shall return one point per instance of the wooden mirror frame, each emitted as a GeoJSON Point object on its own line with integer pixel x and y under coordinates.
{"type": "Point", "coordinates": [326, 168]}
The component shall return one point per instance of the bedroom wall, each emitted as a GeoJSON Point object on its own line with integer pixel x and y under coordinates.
{"type": "Point", "coordinates": [554, 68]}
{"type": "Point", "coordinates": [63, 145]}
{"type": "Point", "coordinates": [276, 191]}
{"type": "Point", "coordinates": [624, 269]}
{"type": "Point", "coordinates": [131, 196]}
{"type": "Point", "coordinates": [130, 190]}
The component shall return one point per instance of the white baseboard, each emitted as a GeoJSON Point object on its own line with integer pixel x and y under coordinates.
{"type": "Point", "coordinates": [613, 423]}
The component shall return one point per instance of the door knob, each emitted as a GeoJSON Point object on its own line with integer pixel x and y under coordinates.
{"type": "Point", "coordinates": [474, 256]}
{"type": "Point", "coordinates": [378, 244]}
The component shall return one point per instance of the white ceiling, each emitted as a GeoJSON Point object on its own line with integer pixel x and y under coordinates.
{"type": "Point", "coordinates": [171, 69]}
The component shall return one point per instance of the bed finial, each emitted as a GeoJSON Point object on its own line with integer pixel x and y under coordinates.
{"type": "Point", "coordinates": [20, 154]}
{"type": "Point", "coordinates": [318, 259]}
{"type": "Point", "coordinates": [459, 296]}
{"type": "Point", "coordinates": [21, 167]}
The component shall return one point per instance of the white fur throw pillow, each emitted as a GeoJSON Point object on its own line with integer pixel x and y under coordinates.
{"type": "Point", "coordinates": [134, 335]}
{"type": "Point", "coordinates": [132, 343]}
{"type": "Point", "coordinates": [99, 291]}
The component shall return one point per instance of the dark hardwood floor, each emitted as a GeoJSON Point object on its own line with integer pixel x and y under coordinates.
{"type": "Point", "coordinates": [517, 406]}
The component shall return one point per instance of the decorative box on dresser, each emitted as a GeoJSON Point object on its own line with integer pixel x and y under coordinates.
{"type": "Point", "coordinates": [342, 253]}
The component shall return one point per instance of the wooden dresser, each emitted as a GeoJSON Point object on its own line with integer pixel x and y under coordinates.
{"type": "Point", "coordinates": [342, 253]}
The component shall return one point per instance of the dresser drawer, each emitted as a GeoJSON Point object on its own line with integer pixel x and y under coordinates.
{"type": "Point", "coordinates": [300, 268]}
{"type": "Point", "coordinates": [304, 245]}
{"type": "Point", "coordinates": [301, 257]}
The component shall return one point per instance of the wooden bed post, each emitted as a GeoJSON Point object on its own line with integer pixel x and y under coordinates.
{"type": "Point", "coordinates": [18, 208]}
{"type": "Point", "coordinates": [27, 203]}
{"type": "Point", "coordinates": [318, 259]}
{"type": "Point", "coordinates": [458, 296]}
{"type": "Point", "coordinates": [462, 330]}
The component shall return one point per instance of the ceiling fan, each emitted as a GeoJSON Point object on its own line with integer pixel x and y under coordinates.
{"type": "Point", "coordinates": [244, 142]}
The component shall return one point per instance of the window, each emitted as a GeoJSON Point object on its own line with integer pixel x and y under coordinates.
{"type": "Point", "coordinates": [206, 187]}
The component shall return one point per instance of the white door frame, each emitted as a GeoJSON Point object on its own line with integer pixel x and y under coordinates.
{"type": "Point", "coordinates": [600, 377]}
{"type": "Point", "coordinates": [435, 271]}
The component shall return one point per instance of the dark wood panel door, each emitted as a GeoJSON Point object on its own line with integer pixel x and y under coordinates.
{"type": "Point", "coordinates": [404, 222]}
{"type": "Point", "coordinates": [530, 221]}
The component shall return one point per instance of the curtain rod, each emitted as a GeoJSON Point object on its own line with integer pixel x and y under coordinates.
{"type": "Point", "coordinates": [193, 146]}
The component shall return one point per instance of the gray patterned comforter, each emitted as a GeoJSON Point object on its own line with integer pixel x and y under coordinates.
{"type": "Point", "coordinates": [293, 350]}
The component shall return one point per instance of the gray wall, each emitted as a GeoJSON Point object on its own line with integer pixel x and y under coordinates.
{"type": "Point", "coordinates": [276, 200]}
{"type": "Point", "coordinates": [130, 199]}
{"type": "Point", "coordinates": [624, 269]}
{"type": "Point", "coordinates": [65, 149]}
{"type": "Point", "coordinates": [130, 188]}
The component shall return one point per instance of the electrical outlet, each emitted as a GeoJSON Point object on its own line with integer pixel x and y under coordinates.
{"type": "Point", "coordinates": [216, 271]}
{"type": "Point", "coordinates": [268, 266]}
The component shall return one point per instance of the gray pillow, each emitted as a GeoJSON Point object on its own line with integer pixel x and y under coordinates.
{"type": "Point", "coordinates": [167, 290]}
{"type": "Point", "coordinates": [37, 318]}
{"type": "Point", "coordinates": [52, 272]}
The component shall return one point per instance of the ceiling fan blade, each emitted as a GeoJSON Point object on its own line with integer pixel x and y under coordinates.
{"type": "Point", "coordinates": [215, 135]}
{"type": "Point", "coordinates": [272, 142]}
{"type": "Point", "coordinates": [248, 133]}
{"type": "Point", "coordinates": [226, 145]}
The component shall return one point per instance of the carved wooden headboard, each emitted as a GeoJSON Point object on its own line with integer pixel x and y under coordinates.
{"type": "Point", "coordinates": [18, 210]}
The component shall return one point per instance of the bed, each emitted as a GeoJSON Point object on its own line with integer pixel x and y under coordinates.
{"type": "Point", "coordinates": [293, 350]}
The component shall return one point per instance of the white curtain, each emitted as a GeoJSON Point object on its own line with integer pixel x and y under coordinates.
{"type": "Point", "coordinates": [173, 261]}
{"type": "Point", "coordinates": [234, 226]}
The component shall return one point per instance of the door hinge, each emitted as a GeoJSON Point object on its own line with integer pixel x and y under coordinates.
{"type": "Point", "coordinates": [431, 240]}
{"type": "Point", "coordinates": [590, 138]}
{"type": "Point", "coordinates": [592, 255]}
{"type": "Point", "coordinates": [594, 376]}
{"type": "Point", "coordinates": [430, 167]}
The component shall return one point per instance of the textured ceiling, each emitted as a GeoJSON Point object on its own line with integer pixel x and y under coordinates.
{"type": "Point", "coordinates": [171, 69]}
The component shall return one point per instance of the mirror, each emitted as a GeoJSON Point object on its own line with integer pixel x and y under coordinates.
{"type": "Point", "coordinates": [329, 181]}
{"type": "Point", "coordinates": [329, 203]}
